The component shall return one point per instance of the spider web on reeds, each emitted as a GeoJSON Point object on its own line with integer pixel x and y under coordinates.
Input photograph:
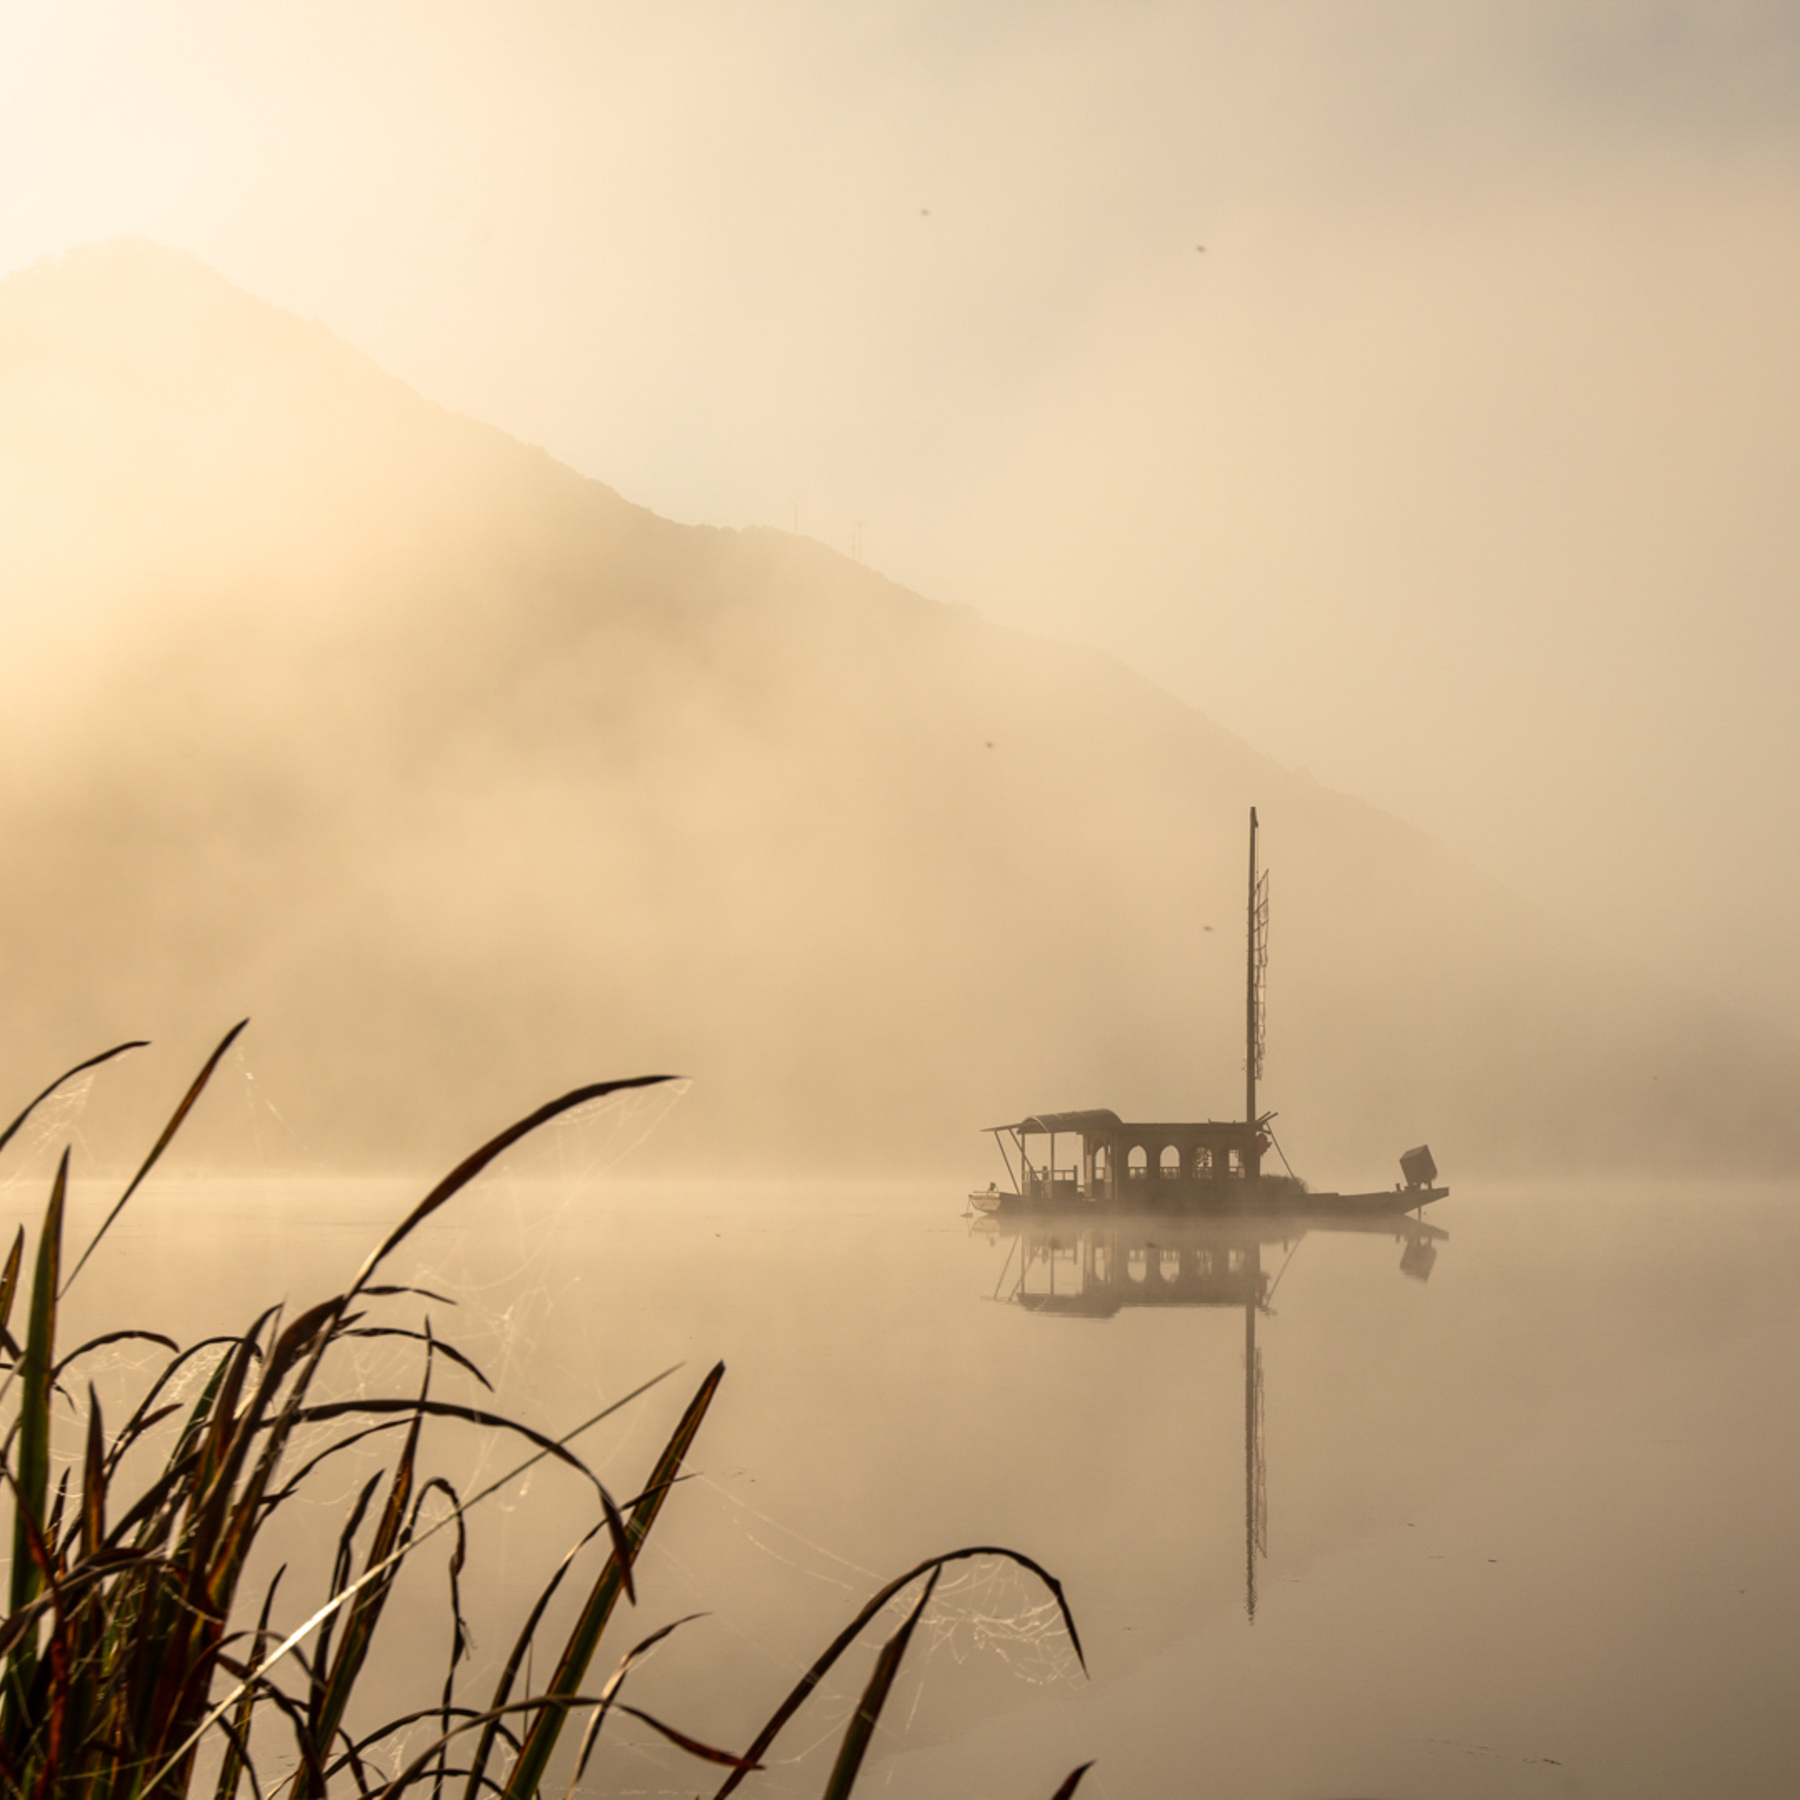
{"type": "Point", "coordinates": [130, 1669]}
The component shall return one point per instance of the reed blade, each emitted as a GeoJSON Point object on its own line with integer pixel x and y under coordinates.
{"type": "Point", "coordinates": [236, 1761]}
{"type": "Point", "coordinates": [609, 1696]}
{"type": "Point", "coordinates": [1071, 1782]}
{"type": "Point", "coordinates": [365, 1614]}
{"type": "Point", "coordinates": [379, 1407]}
{"type": "Point", "coordinates": [35, 1391]}
{"type": "Point", "coordinates": [804, 1686]}
{"type": "Point", "coordinates": [93, 1480]}
{"type": "Point", "coordinates": [478, 1780]}
{"type": "Point", "coordinates": [81, 1068]}
{"type": "Point", "coordinates": [459, 1630]}
{"type": "Point", "coordinates": [861, 1728]}
{"type": "Point", "coordinates": [563, 1704]}
{"type": "Point", "coordinates": [9, 1281]}
{"type": "Point", "coordinates": [114, 1337]}
{"type": "Point", "coordinates": [472, 1165]}
{"type": "Point", "coordinates": [693, 1746]}
{"type": "Point", "coordinates": [439, 1348]}
{"type": "Point", "coordinates": [540, 1741]}
{"type": "Point", "coordinates": [194, 1092]}
{"type": "Point", "coordinates": [30, 1481]}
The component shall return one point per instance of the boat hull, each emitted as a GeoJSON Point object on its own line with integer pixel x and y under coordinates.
{"type": "Point", "coordinates": [1247, 1200]}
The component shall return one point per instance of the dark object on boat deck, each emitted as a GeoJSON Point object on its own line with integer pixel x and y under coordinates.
{"type": "Point", "coordinates": [1418, 1168]}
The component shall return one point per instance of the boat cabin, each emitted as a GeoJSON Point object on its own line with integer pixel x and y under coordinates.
{"type": "Point", "coordinates": [1130, 1167]}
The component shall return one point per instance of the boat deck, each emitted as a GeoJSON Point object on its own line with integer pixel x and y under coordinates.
{"type": "Point", "coordinates": [1203, 1200]}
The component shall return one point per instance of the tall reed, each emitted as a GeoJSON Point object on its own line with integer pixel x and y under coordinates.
{"type": "Point", "coordinates": [134, 1667]}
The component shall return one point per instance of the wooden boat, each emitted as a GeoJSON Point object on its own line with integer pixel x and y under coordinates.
{"type": "Point", "coordinates": [1206, 1168]}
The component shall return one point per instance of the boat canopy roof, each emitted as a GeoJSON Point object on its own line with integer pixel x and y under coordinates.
{"type": "Point", "coordinates": [1101, 1119]}
{"type": "Point", "coordinates": [1105, 1125]}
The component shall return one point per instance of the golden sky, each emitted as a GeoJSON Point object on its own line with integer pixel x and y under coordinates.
{"type": "Point", "coordinates": [1459, 467]}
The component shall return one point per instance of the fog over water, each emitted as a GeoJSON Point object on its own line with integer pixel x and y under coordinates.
{"type": "Point", "coordinates": [471, 780]}
{"type": "Point", "coordinates": [1520, 1510]}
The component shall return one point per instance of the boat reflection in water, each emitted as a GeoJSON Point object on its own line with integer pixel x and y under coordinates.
{"type": "Point", "coordinates": [1095, 1271]}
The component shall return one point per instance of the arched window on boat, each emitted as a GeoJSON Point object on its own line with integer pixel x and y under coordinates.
{"type": "Point", "coordinates": [1137, 1164]}
{"type": "Point", "coordinates": [1101, 1157]}
{"type": "Point", "coordinates": [1170, 1162]}
{"type": "Point", "coordinates": [1237, 1161]}
{"type": "Point", "coordinates": [1169, 1266]}
{"type": "Point", "coordinates": [1203, 1163]}
{"type": "Point", "coordinates": [1135, 1265]}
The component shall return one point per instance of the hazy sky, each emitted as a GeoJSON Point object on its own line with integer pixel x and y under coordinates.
{"type": "Point", "coordinates": [1459, 467]}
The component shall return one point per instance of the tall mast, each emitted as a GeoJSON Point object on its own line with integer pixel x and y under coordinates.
{"type": "Point", "coordinates": [1250, 1045]}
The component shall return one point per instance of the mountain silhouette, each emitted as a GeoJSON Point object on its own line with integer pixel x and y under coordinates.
{"type": "Point", "coordinates": [470, 781]}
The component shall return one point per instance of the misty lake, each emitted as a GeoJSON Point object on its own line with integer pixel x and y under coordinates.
{"type": "Point", "coordinates": [1519, 1515]}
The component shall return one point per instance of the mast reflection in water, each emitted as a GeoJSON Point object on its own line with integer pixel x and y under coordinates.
{"type": "Point", "coordinates": [1071, 1270]}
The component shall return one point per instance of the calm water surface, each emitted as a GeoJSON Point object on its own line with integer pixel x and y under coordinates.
{"type": "Point", "coordinates": [1507, 1510]}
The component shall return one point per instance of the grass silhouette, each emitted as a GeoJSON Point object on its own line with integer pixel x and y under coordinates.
{"type": "Point", "coordinates": [133, 1666]}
